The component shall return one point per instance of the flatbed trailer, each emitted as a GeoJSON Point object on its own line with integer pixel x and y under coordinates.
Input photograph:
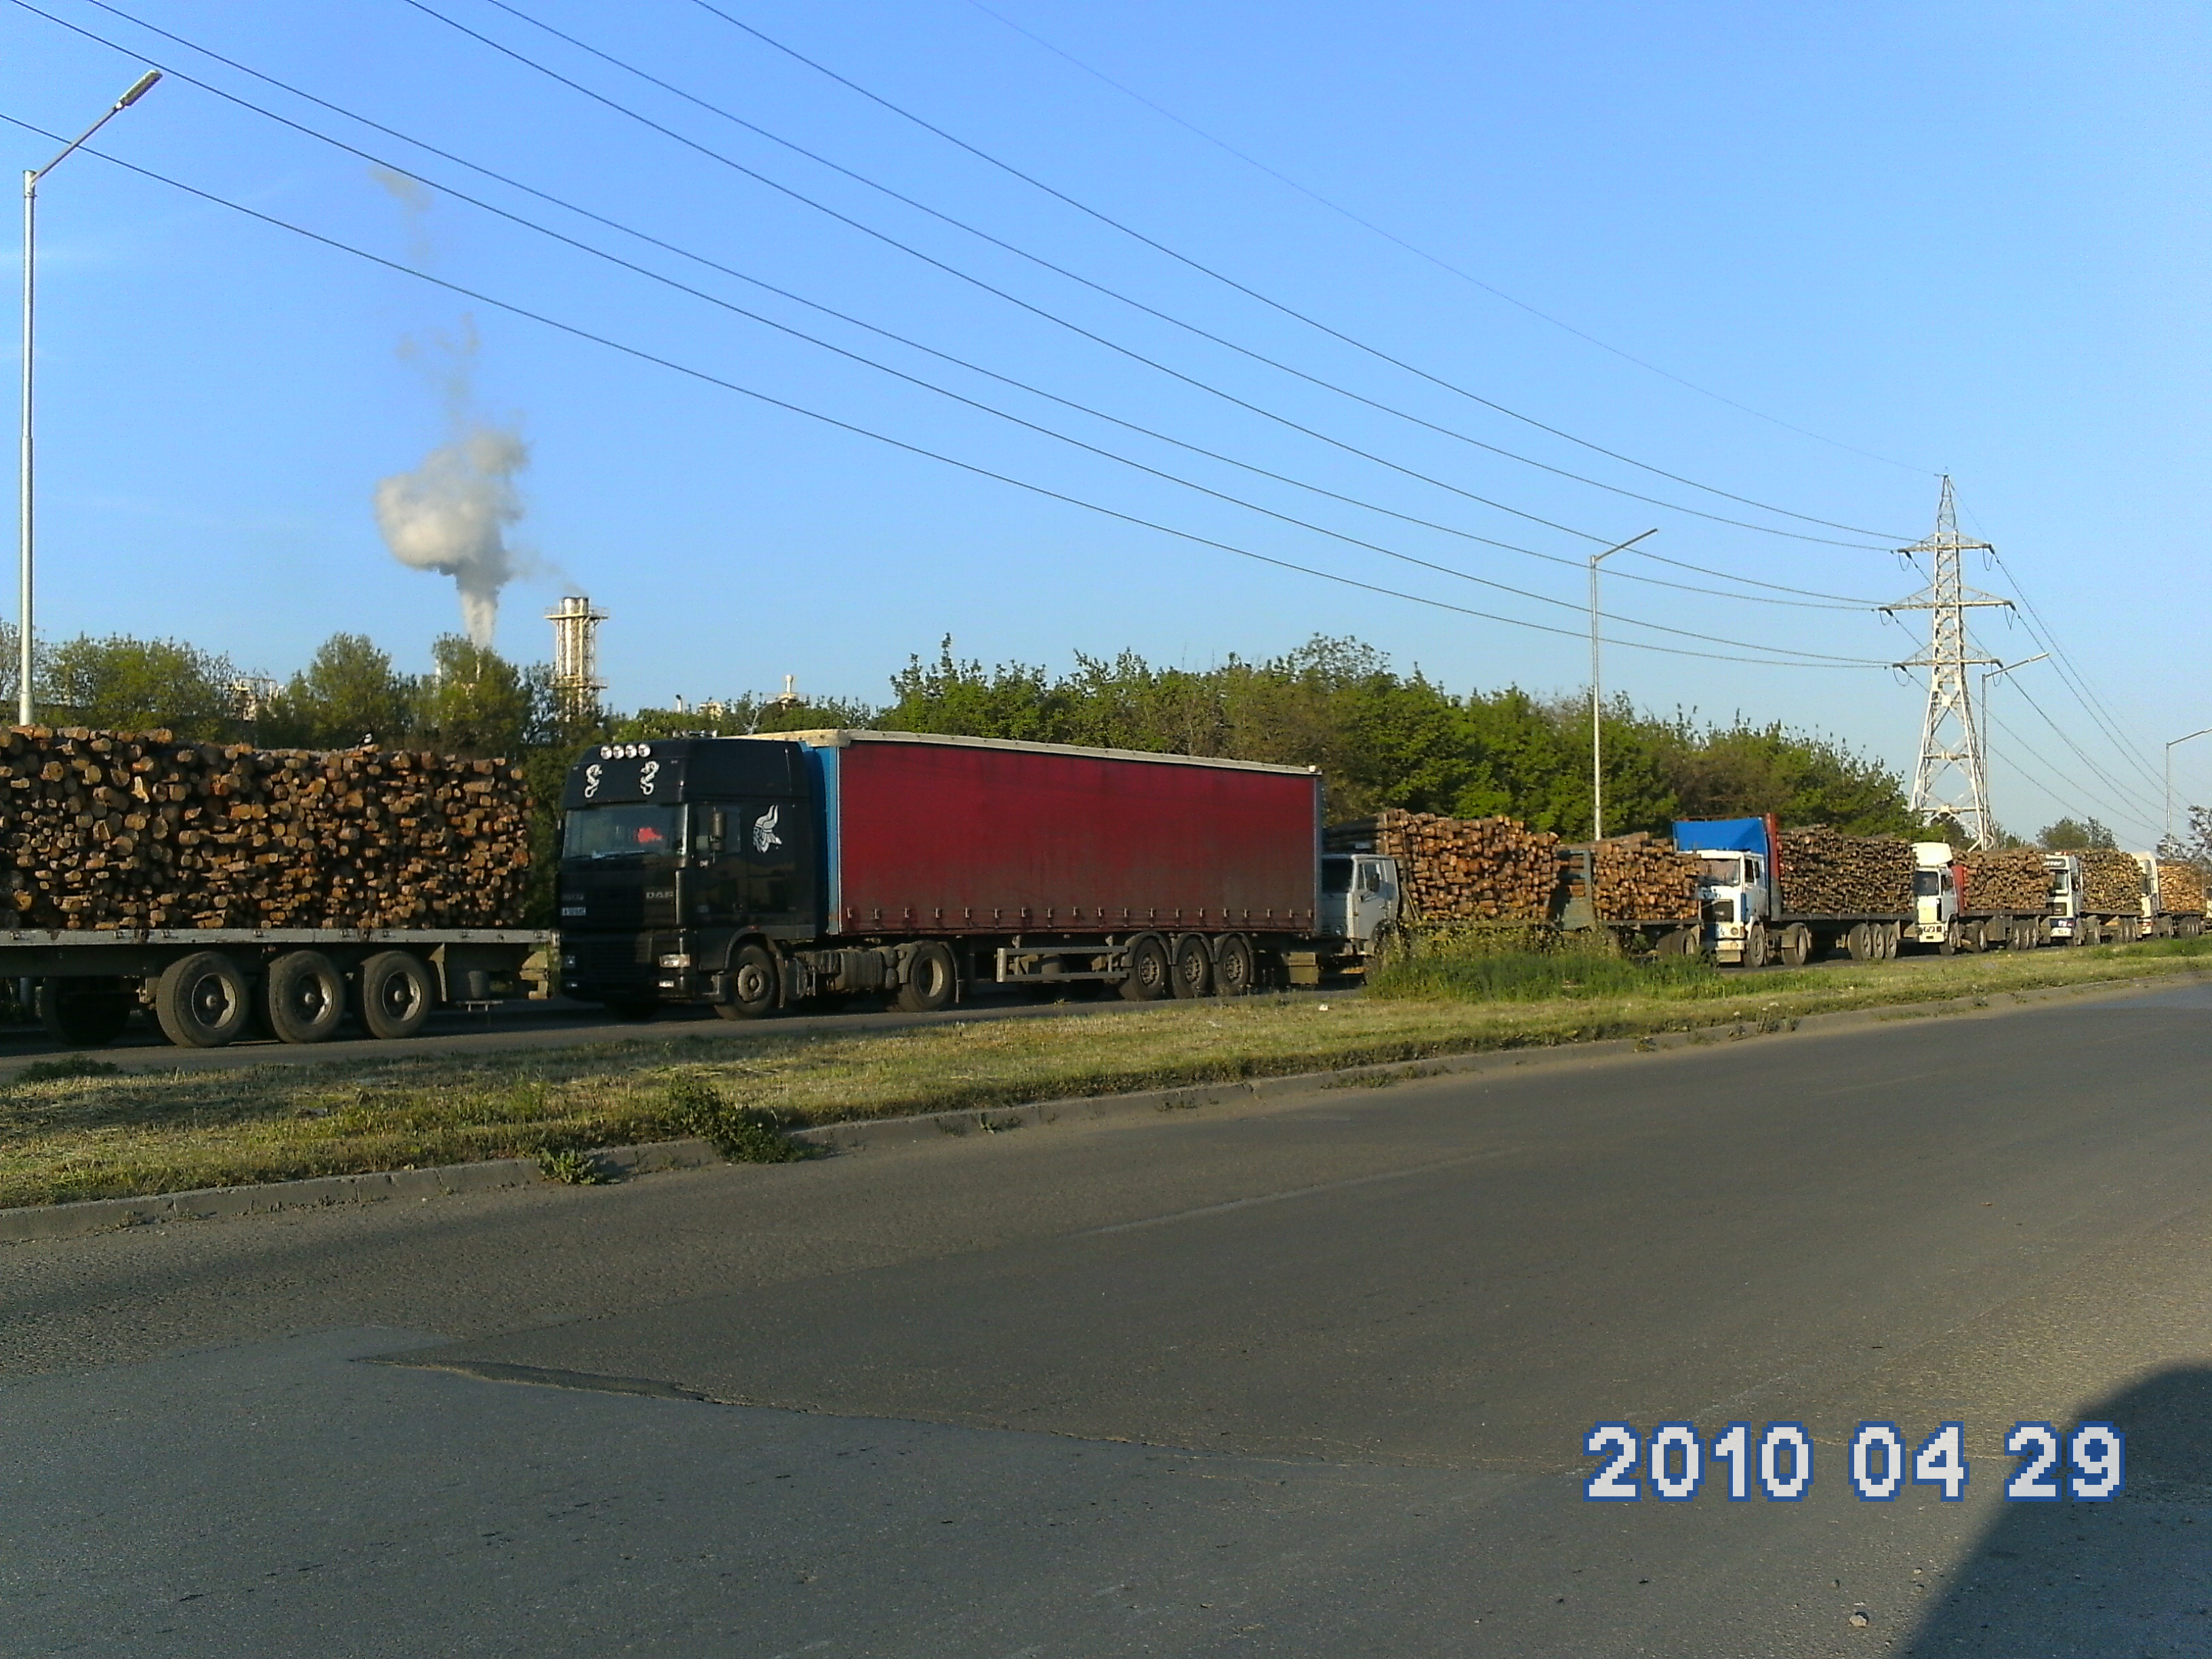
{"type": "Point", "coordinates": [207, 987]}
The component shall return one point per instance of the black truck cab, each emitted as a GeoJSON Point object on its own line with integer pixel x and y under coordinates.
{"type": "Point", "coordinates": [677, 852]}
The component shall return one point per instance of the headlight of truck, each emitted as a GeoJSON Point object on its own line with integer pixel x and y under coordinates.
{"type": "Point", "coordinates": [678, 960]}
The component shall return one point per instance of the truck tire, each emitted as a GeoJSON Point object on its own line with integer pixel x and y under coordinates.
{"type": "Point", "coordinates": [754, 984]}
{"type": "Point", "coordinates": [1193, 967]}
{"type": "Point", "coordinates": [1755, 945]}
{"type": "Point", "coordinates": [1949, 945]}
{"type": "Point", "coordinates": [1148, 974]}
{"type": "Point", "coordinates": [1859, 941]}
{"type": "Point", "coordinates": [395, 994]}
{"type": "Point", "coordinates": [304, 997]}
{"type": "Point", "coordinates": [1893, 939]}
{"type": "Point", "coordinates": [201, 1000]}
{"type": "Point", "coordinates": [1234, 973]}
{"type": "Point", "coordinates": [84, 1013]}
{"type": "Point", "coordinates": [1796, 945]}
{"type": "Point", "coordinates": [932, 979]}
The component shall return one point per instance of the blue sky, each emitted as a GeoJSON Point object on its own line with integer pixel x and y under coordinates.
{"type": "Point", "coordinates": [1954, 237]}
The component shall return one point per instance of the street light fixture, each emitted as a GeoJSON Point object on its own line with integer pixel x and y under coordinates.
{"type": "Point", "coordinates": [2207, 731]}
{"type": "Point", "coordinates": [1988, 674]}
{"type": "Point", "coordinates": [139, 89]}
{"type": "Point", "coordinates": [1597, 701]}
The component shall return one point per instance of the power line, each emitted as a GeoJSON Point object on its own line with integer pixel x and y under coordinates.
{"type": "Point", "coordinates": [2054, 792]}
{"type": "Point", "coordinates": [710, 378]}
{"type": "Point", "coordinates": [2076, 681]}
{"type": "Point", "coordinates": [525, 59]}
{"type": "Point", "coordinates": [2119, 793]}
{"type": "Point", "coordinates": [1381, 355]}
{"type": "Point", "coordinates": [1440, 263]}
{"type": "Point", "coordinates": [857, 322]}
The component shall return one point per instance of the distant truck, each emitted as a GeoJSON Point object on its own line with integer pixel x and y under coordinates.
{"type": "Point", "coordinates": [2097, 897]}
{"type": "Point", "coordinates": [750, 874]}
{"type": "Point", "coordinates": [1742, 890]}
{"type": "Point", "coordinates": [2173, 897]}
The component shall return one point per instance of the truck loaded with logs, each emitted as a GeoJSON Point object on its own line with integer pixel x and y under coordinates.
{"type": "Point", "coordinates": [226, 890]}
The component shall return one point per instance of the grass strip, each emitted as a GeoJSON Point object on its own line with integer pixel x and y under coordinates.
{"type": "Point", "coordinates": [103, 1135]}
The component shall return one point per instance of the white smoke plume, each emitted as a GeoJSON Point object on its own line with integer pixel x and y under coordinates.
{"type": "Point", "coordinates": [450, 515]}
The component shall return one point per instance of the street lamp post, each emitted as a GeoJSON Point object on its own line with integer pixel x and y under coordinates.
{"type": "Point", "coordinates": [1597, 701]}
{"type": "Point", "coordinates": [23, 505]}
{"type": "Point", "coordinates": [1988, 674]}
{"type": "Point", "coordinates": [2170, 748]}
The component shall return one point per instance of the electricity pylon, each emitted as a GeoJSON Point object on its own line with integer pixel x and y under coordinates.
{"type": "Point", "coordinates": [1951, 778]}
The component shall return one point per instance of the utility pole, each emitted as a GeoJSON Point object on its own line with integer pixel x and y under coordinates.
{"type": "Point", "coordinates": [1597, 701]}
{"type": "Point", "coordinates": [2170, 748]}
{"type": "Point", "coordinates": [1952, 777]}
{"type": "Point", "coordinates": [24, 516]}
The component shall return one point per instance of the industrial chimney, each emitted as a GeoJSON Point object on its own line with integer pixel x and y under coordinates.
{"type": "Point", "coordinates": [576, 682]}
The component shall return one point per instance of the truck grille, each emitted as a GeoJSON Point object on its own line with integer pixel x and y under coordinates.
{"type": "Point", "coordinates": [608, 959]}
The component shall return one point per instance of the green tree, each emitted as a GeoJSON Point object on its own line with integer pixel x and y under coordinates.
{"type": "Point", "coordinates": [124, 684]}
{"type": "Point", "coordinates": [2069, 836]}
{"type": "Point", "coordinates": [349, 693]}
{"type": "Point", "coordinates": [474, 702]}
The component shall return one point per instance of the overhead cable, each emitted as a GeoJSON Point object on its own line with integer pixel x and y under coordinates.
{"type": "Point", "coordinates": [1436, 260]}
{"type": "Point", "coordinates": [1204, 270]}
{"type": "Point", "coordinates": [885, 333]}
{"type": "Point", "coordinates": [615, 105]}
{"type": "Point", "coordinates": [706, 377]}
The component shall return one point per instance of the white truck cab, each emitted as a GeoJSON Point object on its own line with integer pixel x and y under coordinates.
{"type": "Point", "coordinates": [1360, 899]}
{"type": "Point", "coordinates": [1735, 897]}
{"type": "Point", "coordinates": [1935, 894]}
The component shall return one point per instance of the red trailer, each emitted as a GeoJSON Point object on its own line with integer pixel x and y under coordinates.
{"type": "Point", "coordinates": [749, 872]}
{"type": "Point", "coordinates": [967, 836]}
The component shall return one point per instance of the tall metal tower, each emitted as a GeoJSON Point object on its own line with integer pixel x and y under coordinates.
{"type": "Point", "coordinates": [576, 682]}
{"type": "Point", "coordinates": [1951, 780]}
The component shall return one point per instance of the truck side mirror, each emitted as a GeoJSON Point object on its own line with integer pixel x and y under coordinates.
{"type": "Point", "coordinates": [717, 835]}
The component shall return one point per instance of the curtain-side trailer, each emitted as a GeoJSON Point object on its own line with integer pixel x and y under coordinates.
{"type": "Point", "coordinates": [751, 873]}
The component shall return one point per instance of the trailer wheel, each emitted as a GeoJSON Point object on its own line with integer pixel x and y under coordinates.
{"type": "Point", "coordinates": [1796, 945]}
{"type": "Point", "coordinates": [201, 1000]}
{"type": "Point", "coordinates": [1234, 970]}
{"type": "Point", "coordinates": [1147, 980]}
{"type": "Point", "coordinates": [82, 1013]}
{"type": "Point", "coordinates": [753, 984]}
{"type": "Point", "coordinates": [932, 979]}
{"type": "Point", "coordinates": [1893, 939]}
{"type": "Point", "coordinates": [1193, 967]}
{"type": "Point", "coordinates": [395, 994]}
{"type": "Point", "coordinates": [304, 997]}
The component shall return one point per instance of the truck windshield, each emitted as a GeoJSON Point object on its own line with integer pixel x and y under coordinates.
{"type": "Point", "coordinates": [1927, 883]}
{"type": "Point", "coordinates": [619, 832]}
{"type": "Point", "coordinates": [1723, 868]}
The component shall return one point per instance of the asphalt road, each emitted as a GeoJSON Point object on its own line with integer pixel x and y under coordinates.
{"type": "Point", "coordinates": [1311, 1380]}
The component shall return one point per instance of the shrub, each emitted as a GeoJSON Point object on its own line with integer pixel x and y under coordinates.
{"type": "Point", "coordinates": [744, 1134]}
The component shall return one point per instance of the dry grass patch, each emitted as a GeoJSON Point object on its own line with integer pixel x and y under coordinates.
{"type": "Point", "coordinates": [102, 1135]}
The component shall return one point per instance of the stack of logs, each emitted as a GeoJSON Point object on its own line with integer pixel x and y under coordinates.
{"type": "Point", "coordinates": [2009, 880]}
{"type": "Point", "coordinates": [1470, 869]}
{"type": "Point", "coordinates": [1639, 879]}
{"type": "Point", "coordinates": [2180, 887]}
{"type": "Point", "coordinates": [1825, 873]}
{"type": "Point", "coordinates": [2112, 882]}
{"type": "Point", "coordinates": [102, 830]}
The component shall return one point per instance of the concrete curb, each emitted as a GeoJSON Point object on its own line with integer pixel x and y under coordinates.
{"type": "Point", "coordinates": [53, 1221]}
{"type": "Point", "coordinates": [99, 1215]}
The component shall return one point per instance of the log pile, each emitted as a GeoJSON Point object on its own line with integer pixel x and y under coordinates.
{"type": "Point", "coordinates": [2010, 880]}
{"type": "Point", "coordinates": [1825, 873]}
{"type": "Point", "coordinates": [1470, 869]}
{"type": "Point", "coordinates": [103, 831]}
{"type": "Point", "coordinates": [2112, 882]}
{"type": "Point", "coordinates": [2180, 887]}
{"type": "Point", "coordinates": [1640, 878]}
